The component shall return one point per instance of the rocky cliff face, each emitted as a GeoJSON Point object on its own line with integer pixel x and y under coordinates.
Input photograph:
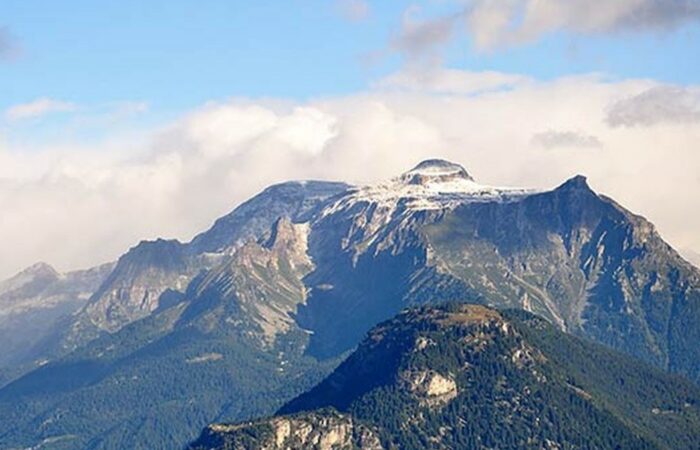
{"type": "Point", "coordinates": [315, 431]}
{"type": "Point", "coordinates": [466, 376]}
{"type": "Point", "coordinates": [261, 284]}
{"type": "Point", "coordinates": [135, 285]}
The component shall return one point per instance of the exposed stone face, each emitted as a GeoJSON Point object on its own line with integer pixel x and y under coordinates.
{"type": "Point", "coordinates": [313, 431]}
{"type": "Point", "coordinates": [133, 289]}
{"type": "Point", "coordinates": [430, 387]}
{"type": "Point", "coordinates": [422, 343]}
{"type": "Point", "coordinates": [264, 279]}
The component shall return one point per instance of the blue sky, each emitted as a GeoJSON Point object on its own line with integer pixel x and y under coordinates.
{"type": "Point", "coordinates": [176, 54]}
{"type": "Point", "coordinates": [179, 53]}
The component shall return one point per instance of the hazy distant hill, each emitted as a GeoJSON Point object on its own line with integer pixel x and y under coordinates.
{"type": "Point", "coordinates": [34, 300]}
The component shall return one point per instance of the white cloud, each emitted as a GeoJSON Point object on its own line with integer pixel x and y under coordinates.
{"type": "Point", "coordinates": [657, 105]}
{"type": "Point", "coordinates": [493, 24]}
{"type": "Point", "coordinates": [553, 139]}
{"type": "Point", "coordinates": [511, 22]}
{"type": "Point", "coordinates": [450, 81]}
{"type": "Point", "coordinates": [38, 108]}
{"type": "Point", "coordinates": [76, 206]}
{"type": "Point", "coordinates": [421, 40]}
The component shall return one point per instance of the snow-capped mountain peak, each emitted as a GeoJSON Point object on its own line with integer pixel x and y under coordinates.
{"type": "Point", "coordinates": [433, 184]}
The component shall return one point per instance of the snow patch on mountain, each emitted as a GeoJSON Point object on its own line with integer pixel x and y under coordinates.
{"type": "Point", "coordinates": [431, 185]}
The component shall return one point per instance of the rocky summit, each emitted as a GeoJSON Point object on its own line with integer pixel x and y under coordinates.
{"type": "Point", "coordinates": [436, 171]}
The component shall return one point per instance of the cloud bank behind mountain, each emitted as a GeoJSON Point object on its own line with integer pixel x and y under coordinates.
{"type": "Point", "coordinates": [78, 205]}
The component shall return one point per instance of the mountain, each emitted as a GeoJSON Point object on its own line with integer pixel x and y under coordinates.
{"type": "Point", "coordinates": [32, 302]}
{"type": "Point", "coordinates": [586, 264]}
{"type": "Point", "coordinates": [225, 349]}
{"type": "Point", "coordinates": [467, 376]}
{"type": "Point", "coordinates": [161, 270]}
{"type": "Point", "coordinates": [569, 254]}
{"type": "Point", "coordinates": [264, 304]}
